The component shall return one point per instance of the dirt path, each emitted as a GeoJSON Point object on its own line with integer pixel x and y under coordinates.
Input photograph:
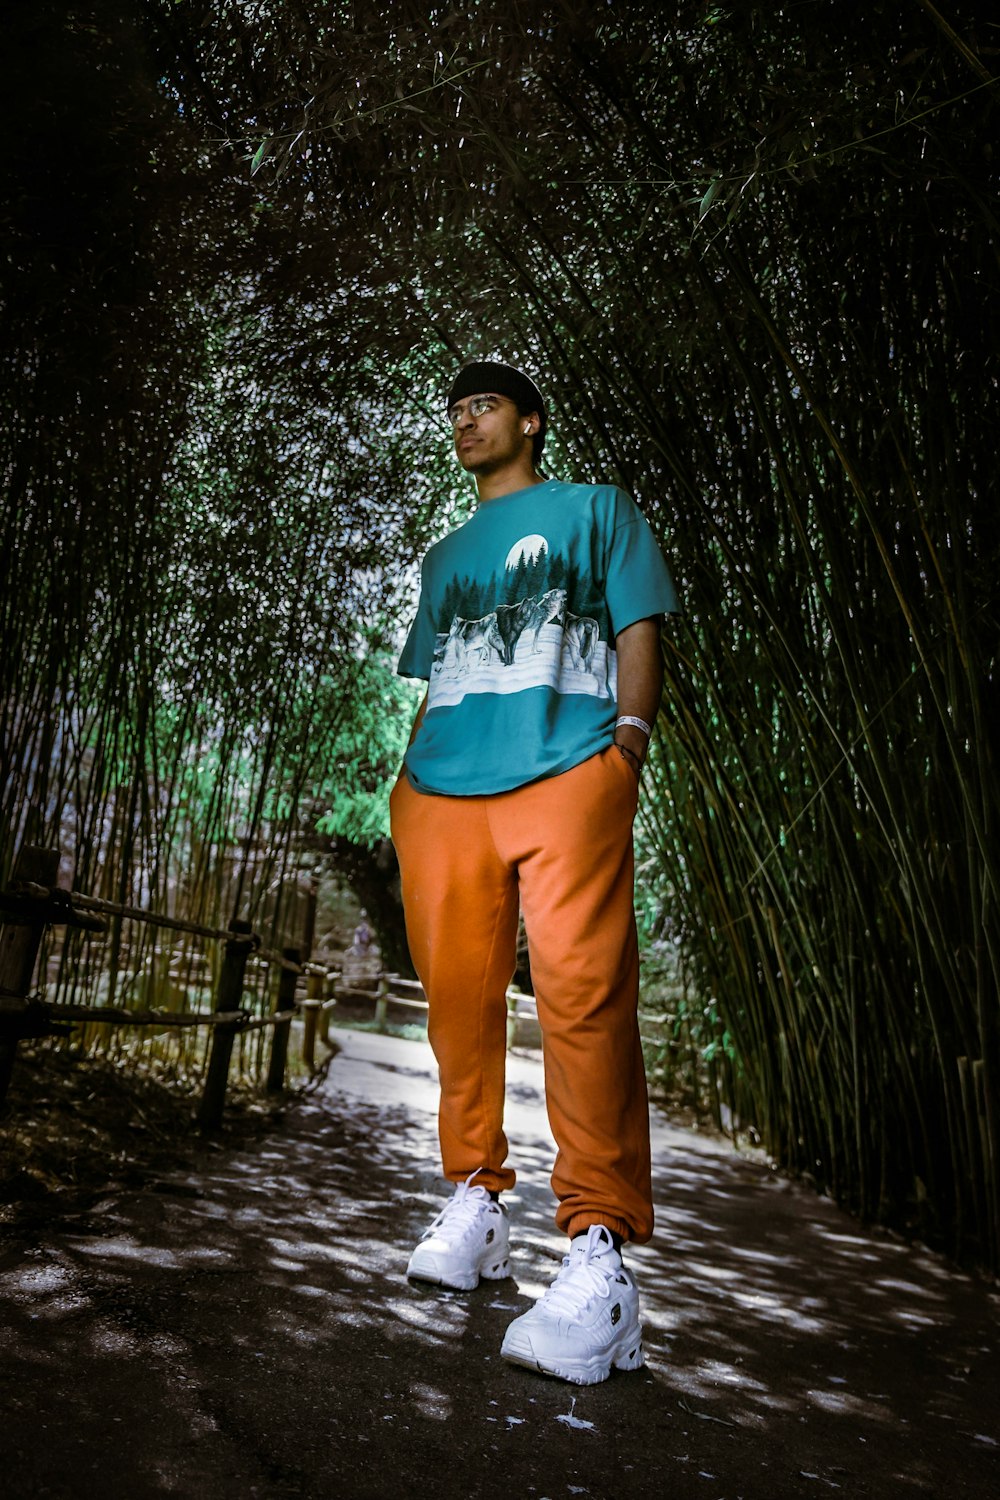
{"type": "Point", "coordinates": [244, 1329]}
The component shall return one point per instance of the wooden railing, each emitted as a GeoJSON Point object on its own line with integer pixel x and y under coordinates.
{"type": "Point", "coordinates": [32, 902]}
{"type": "Point", "coordinates": [392, 993]}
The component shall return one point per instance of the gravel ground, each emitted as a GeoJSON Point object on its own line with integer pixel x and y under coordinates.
{"type": "Point", "coordinates": [232, 1319]}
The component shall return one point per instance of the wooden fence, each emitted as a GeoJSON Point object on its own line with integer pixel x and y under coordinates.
{"type": "Point", "coordinates": [32, 902]}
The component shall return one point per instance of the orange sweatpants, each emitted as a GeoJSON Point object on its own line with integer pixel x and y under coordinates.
{"type": "Point", "coordinates": [565, 846]}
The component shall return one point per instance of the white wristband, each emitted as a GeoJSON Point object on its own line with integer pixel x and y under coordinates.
{"type": "Point", "coordinates": [637, 723]}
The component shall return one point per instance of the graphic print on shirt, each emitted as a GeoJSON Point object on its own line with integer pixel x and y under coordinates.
{"type": "Point", "coordinates": [519, 631]}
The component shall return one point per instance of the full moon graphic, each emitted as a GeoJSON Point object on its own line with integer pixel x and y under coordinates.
{"type": "Point", "coordinates": [530, 546]}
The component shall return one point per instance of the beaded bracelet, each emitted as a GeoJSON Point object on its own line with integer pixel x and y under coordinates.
{"type": "Point", "coordinates": [624, 750]}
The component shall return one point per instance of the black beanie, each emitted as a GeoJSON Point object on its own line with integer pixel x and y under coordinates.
{"type": "Point", "coordinates": [491, 377]}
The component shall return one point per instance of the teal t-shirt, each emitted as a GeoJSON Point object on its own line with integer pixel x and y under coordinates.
{"type": "Point", "coordinates": [515, 630]}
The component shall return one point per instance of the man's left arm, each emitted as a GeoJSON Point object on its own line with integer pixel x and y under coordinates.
{"type": "Point", "coordinates": [640, 684]}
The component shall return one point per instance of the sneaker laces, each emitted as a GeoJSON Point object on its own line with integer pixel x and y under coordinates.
{"type": "Point", "coordinates": [462, 1210]}
{"type": "Point", "coordinates": [582, 1277]}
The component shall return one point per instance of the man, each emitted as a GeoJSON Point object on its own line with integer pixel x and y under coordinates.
{"type": "Point", "coordinates": [538, 631]}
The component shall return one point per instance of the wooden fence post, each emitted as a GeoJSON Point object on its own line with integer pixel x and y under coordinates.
{"type": "Point", "coordinates": [228, 997]}
{"type": "Point", "coordinates": [315, 987]}
{"type": "Point", "coordinates": [382, 1003]}
{"type": "Point", "coordinates": [329, 993]}
{"type": "Point", "coordinates": [511, 1019]}
{"type": "Point", "coordinates": [20, 939]}
{"type": "Point", "coordinates": [309, 1015]}
{"type": "Point", "coordinates": [279, 1042]}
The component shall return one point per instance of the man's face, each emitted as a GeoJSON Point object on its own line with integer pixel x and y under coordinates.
{"type": "Point", "coordinates": [489, 432]}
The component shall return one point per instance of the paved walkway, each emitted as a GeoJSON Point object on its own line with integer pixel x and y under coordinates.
{"type": "Point", "coordinates": [244, 1329]}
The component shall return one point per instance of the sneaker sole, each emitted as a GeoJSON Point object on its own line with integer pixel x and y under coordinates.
{"type": "Point", "coordinates": [625, 1355]}
{"type": "Point", "coordinates": [498, 1271]}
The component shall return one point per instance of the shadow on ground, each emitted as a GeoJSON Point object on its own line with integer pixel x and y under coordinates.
{"type": "Point", "coordinates": [245, 1329]}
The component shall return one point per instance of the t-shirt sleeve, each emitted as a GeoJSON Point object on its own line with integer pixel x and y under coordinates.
{"type": "Point", "coordinates": [417, 656]}
{"type": "Point", "coordinates": [638, 582]}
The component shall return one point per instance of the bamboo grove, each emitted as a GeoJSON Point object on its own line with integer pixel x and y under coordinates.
{"type": "Point", "coordinates": [752, 256]}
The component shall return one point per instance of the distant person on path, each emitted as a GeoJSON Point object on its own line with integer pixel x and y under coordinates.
{"type": "Point", "coordinates": [362, 934]}
{"type": "Point", "coordinates": [538, 633]}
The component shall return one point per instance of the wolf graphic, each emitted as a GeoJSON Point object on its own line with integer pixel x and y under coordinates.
{"type": "Point", "coordinates": [468, 642]}
{"type": "Point", "coordinates": [581, 634]}
{"type": "Point", "coordinates": [531, 614]}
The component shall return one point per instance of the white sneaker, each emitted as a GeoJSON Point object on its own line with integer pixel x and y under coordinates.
{"type": "Point", "coordinates": [587, 1321]}
{"type": "Point", "coordinates": [468, 1239]}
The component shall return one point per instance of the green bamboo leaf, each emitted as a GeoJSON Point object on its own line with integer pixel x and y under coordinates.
{"type": "Point", "coordinates": [260, 154]}
{"type": "Point", "coordinates": [714, 189]}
